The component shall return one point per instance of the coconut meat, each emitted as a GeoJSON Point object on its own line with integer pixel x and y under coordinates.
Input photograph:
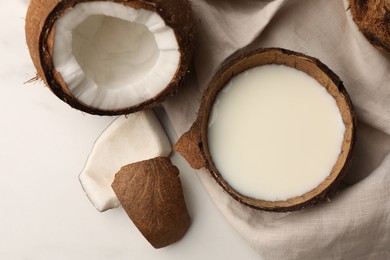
{"type": "Point", "coordinates": [127, 140]}
{"type": "Point", "coordinates": [113, 56]}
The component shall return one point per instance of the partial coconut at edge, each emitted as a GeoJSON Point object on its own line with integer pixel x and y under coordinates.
{"type": "Point", "coordinates": [372, 17]}
{"type": "Point", "coordinates": [158, 16]}
{"type": "Point", "coordinates": [193, 145]}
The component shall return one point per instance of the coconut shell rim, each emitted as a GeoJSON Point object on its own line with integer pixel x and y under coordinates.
{"type": "Point", "coordinates": [295, 203]}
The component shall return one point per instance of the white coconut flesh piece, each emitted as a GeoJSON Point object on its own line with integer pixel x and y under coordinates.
{"type": "Point", "coordinates": [127, 140]}
{"type": "Point", "coordinates": [113, 56]}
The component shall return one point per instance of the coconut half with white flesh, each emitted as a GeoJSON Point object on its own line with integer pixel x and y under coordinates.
{"type": "Point", "coordinates": [111, 57]}
{"type": "Point", "coordinates": [127, 140]}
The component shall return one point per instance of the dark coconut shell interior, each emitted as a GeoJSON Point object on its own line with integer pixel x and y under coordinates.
{"type": "Point", "coordinates": [196, 139]}
{"type": "Point", "coordinates": [40, 29]}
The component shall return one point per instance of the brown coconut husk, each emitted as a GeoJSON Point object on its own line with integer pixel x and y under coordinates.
{"type": "Point", "coordinates": [150, 192]}
{"type": "Point", "coordinates": [373, 19]}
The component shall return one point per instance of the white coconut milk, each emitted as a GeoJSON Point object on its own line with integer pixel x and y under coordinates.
{"type": "Point", "coordinates": [274, 133]}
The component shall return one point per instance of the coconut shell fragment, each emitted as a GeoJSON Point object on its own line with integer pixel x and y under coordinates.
{"type": "Point", "coordinates": [373, 19]}
{"type": "Point", "coordinates": [150, 192]}
{"type": "Point", "coordinates": [188, 147]}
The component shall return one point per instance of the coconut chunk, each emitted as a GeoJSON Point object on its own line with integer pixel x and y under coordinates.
{"type": "Point", "coordinates": [151, 194]}
{"type": "Point", "coordinates": [113, 56]}
{"type": "Point", "coordinates": [127, 140]}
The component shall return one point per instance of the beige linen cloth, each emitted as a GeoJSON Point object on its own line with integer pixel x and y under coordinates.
{"type": "Point", "coordinates": [356, 223]}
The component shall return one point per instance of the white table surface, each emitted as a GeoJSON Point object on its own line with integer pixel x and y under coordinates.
{"type": "Point", "coordinates": [43, 147]}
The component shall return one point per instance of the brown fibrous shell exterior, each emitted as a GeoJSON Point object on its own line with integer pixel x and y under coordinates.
{"type": "Point", "coordinates": [43, 14]}
{"type": "Point", "coordinates": [150, 192]}
{"type": "Point", "coordinates": [373, 19]}
{"type": "Point", "coordinates": [197, 139]}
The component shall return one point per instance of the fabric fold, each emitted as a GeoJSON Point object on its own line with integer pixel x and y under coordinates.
{"type": "Point", "coordinates": [356, 223]}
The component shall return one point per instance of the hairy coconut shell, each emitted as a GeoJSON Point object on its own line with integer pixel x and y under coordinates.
{"type": "Point", "coordinates": [43, 14]}
{"type": "Point", "coordinates": [373, 19]}
{"type": "Point", "coordinates": [151, 194]}
{"type": "Point", "coordinates": [196, 138]}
